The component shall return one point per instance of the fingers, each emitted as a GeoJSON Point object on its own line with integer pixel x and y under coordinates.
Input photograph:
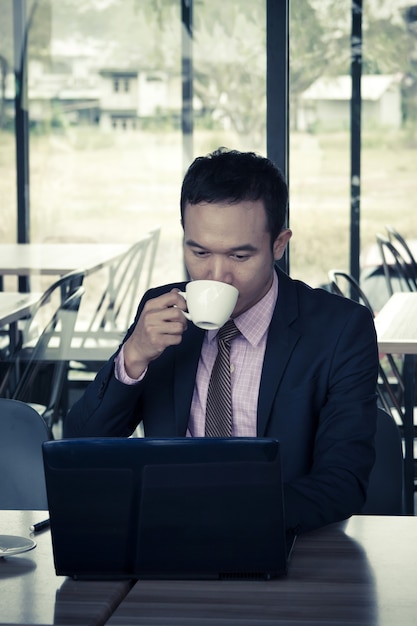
{"type": "Point", "coordinates": [166, 302]}
{"type": "Point", "coordinates": [160, 325]}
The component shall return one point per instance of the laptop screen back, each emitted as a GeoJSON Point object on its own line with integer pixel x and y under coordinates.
{"type": "Point", "coordinates": [166, 508]}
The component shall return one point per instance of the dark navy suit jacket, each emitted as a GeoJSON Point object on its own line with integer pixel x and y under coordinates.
{"type": "Point", "coordinates": [317, 396]}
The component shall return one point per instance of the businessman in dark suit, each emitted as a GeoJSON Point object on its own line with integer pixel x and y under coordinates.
{"type": "Point", "coordinates": [304, 367]}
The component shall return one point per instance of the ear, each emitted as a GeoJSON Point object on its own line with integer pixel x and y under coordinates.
{"type": "Point", "coordinates": [280, 243]}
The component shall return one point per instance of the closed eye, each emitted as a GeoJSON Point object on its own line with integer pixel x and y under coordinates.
{"type": "Point", "coordinates": [240, 257]}
{"type": "Point", "coordinates": [201, 253]}
{"type": "Point", "coordinates": [242, 253]}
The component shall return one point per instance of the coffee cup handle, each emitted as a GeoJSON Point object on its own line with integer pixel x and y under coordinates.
{"type": "Point", "coordinates": [184, 295]}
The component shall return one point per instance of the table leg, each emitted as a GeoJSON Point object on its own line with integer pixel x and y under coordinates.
{"type": "Point", "coordinates": [409, 378]}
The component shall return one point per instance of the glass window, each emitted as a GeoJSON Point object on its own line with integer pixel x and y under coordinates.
{"type": "Point", "coordinates": [8, 196]}
{"type": "Point", "coordinates": [320, 135]}
{"type": "Point", "coordinates": [107, 151]}
{"type": "Point", "coordinates": [121, 99]}
{"type": "Point", "coordinates": [319, 138]}
{"type": "Point", "coordinates": [389, 137]}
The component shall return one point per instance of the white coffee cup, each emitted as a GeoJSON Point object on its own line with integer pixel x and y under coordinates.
{"type": "Point", "coordinates": [210, 303]}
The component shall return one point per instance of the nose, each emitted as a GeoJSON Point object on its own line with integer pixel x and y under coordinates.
{"type": "Point", "coordinates": [219, 270]}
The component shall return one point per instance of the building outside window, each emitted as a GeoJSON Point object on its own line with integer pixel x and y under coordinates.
{"type": "Point", "coordinates": [105, 101]}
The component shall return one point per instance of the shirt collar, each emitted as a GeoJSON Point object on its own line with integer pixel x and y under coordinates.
{"type": "Point", "coordinates": [254, 323]}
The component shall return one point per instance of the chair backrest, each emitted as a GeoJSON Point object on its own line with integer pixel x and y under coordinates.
{"type": "Point", "coordinates": [37, 371]}
{"type": "Point", "coordinates": [343, 284]}
{"type": "Point", "coordinates": [386, 483]}
{"type": "Point", "coordinates": [129, 277]}
{"type": "Point", "coordinates": [397, 271]}
{"type": "Point", "coordinates": [390, 383]}
{"type": "Point", "coordinates": [53, 299]}
{"type": "Point", "coordinates": [401, 244]}
{"type": "Point", "coordinates": [22, 480]}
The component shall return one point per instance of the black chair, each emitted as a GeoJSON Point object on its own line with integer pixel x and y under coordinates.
{"type": "Point", "coordinates": [343, 284]}
{"type": "Point", "coordinates": [36, 372]}
{"type": "Point", "coordinates": [22, 432]}
{"type": "Point", "coordinates": [390, 386]}
{"type": "Point", "coordinates": [385, 494]}
{"type": "Point", "coordinates": [401, 244]}
{"type": "Point", "coordinates": [397, 271]}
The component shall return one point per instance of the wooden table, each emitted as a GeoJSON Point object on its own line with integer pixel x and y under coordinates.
{"type": "Point", "coordinates": [360, 572]}
{"type": "Point", "coordinates": [363, 572]}
{"type": "Point", "coordinates": [13, 307]}
{"type": "Point", "coordinates": [56, 259]}
{"type": "Point", "coordinates": [396, 327]}
{"type": "Point", "coordinates": [52, 259]}
{"type": "Point", "coordinates": [30, 591]}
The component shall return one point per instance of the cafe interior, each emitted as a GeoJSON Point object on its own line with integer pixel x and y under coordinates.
{"type": "Point", "coordinates": [104, 104]}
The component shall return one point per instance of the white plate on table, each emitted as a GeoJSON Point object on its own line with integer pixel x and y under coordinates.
{"type": "Point", "coordinates": [13, 544]}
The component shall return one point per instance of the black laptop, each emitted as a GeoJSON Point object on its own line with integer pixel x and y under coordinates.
{"type": "Point", "coordinates": [177, 508]}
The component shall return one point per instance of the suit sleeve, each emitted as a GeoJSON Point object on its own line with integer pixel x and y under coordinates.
{"type": "Point", "coordinates": [343, 453]}
{"type": "Point", "coordinates": [108, 407]}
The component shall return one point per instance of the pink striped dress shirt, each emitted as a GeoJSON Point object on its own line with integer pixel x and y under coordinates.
{"type": "Point", "coordinates": [246, 358]}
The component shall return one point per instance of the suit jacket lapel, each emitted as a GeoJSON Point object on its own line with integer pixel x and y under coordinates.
{"type": "Point", "coordinates": [282, 338]}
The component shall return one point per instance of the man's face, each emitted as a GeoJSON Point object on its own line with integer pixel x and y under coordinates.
{"type": "Point", "coordinates": [231, 243]}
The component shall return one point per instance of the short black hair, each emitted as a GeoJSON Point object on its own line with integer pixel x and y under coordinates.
{"type": "Point", "coordinates": [232, 176]}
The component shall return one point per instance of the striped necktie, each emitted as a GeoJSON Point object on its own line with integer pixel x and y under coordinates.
{"type": "Point", "coordinates": [219, 397]}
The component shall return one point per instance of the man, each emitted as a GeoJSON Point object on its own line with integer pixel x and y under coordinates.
{"type": "Point", "coordinates": [304, 367]}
